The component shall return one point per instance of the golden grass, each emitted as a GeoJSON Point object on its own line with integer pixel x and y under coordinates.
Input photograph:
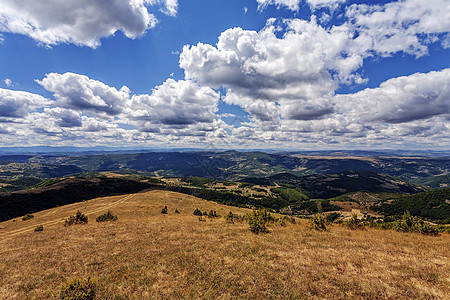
{"type": "Point", "coordinates": [148, 255]}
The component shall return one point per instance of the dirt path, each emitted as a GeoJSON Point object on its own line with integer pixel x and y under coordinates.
{"type": "Point", "coordinates": [16, 232]}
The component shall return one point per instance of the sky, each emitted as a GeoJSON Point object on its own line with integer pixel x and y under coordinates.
{"type": "Point", "coordinates": [234, 74]}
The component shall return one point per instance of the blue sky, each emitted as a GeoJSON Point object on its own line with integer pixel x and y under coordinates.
{"type": "Point", "coordinates": [278, 74]}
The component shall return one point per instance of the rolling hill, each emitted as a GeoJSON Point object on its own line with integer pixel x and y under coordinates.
{"type": "Point", "coordinates": [286, 191]}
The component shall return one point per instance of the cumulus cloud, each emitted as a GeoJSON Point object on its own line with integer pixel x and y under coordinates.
{"type": "Point", "coordinates": [399, 26]}
{"type": "Point", "coordinates": [400, 100]}
{"type": "Point", "coordinates": [81, 22]}
{"type": "Point", "coordinates": [79, 92]}
{"type": "Point", "coordinates": [17, 104]}
{"type": "Point", "coordinates": [291, 68]}
{"type": "Point", "coordinates": [175, 103]}
{"type": "Point", "coordinates": [268, 75]}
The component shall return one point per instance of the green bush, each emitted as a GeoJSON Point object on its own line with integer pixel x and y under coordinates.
{"type": "Point", "coordinates": [177, 211]}
{"type": "Point", "coordinates": [354, 223]}
{"type": "Point", "coordinates": [78, 218]}
{"type": "Point", "coordinates": [164, 210]}
{"type": "Point", "coordinates": [27, 217]}
{"type": "Point", "coordinates": [230, 217]}
{"type": "Point", "coordinates": [198, 212]}
{"type": "Point", "coordinates": [258, 220]}
{"type": "Point", "coordinates": [333, 217]}
{"type": "Point", "coordinates": [39, 228]}
{"type": "Point", "coordinates": [282, 221]}
{"type": "Point", "coordinates": [410, 223]}
{"type": "Point", "coordinates": [109, 216]}
{"type": "Point", "coordinates": [78, 289]}
{"type": "Point", "coordinates": [317, 222]}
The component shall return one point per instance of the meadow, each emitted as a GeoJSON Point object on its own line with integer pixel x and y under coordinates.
{"type": "Point", "coordinates": [149, 255]}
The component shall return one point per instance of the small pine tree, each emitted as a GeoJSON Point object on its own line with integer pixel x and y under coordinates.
{"type": "Point", "coordinates": [229, 218]}
{"type": "Point", "coordinates": [258, 220]}
{"type": "Point", "coordinates": [318, 223]}
{"type": "Point", "coordinates": [198, 212]}
{"type": "Point", "coordinates": [39, 228]}
{"type": "Point", "coordinates": [177, 211]}
{"type": "Point", "coordinates": [164, 210]}
{"type": "Point", "coordinates": [79, 218]}
{"type": "Point", "coordinates": [109, 216]}
{"type": "Point", "coordinates": [27, 217]}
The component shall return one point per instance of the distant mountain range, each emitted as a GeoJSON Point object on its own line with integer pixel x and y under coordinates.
{"type": "Point", "coordinates": [77, 151]}
{"type": "Point", "coordinates": [229, 165]}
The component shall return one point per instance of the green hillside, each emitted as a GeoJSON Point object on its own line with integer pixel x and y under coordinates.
{"type": "Point", "coordinates": [432, 205]}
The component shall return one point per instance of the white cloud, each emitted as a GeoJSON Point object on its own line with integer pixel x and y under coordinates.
{"type": "Point", "coordinates": [79, 92]}
{"type": "Point", "coordinates": [332, 4]}
{"type": "Point", "coordinates": [268, 75]}
{"type": "Point", "coordinates": [8, 82]}
{"type": "Point", "coordinates": [294, 5]}
{"type": "Point", "coordinates": [17, 104]}
{"type": "Point", "coordinates": [290, 4]}
{"type": "Point", "coordinates": [406, 26]}
{"type": "Point", "coordinates": [179, 108]}
{"type": "Point", "coordinates": [81, 22]}
{"type": "Point", "coordinates": [400, 100]}
{"type": "Point", "coordinates": [175, 103]}
{"type": "Point", "coordinates": [170, 7]}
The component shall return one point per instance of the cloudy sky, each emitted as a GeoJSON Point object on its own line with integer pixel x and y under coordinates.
{"type": "Point", "coordinates": [235, 74]}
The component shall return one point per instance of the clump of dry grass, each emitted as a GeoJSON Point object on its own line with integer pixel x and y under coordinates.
{"type": "Point", "coordinates": [148, 255]}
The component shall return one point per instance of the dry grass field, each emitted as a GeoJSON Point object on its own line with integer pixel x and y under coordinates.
{"type": "Point", "coordinates": [148, 255]}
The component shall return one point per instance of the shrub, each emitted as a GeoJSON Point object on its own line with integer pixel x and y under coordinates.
{"type": "Point", "coordinates": [177, 211]}
{"type": "Point", "coordinates": [318, 223]}
{"type": "Point", "coordinates": [39, 228]}
{"type": "Point", "coordinates": [354, 223]}
{"type": "Point", "coordinates": [109, 216]}
{"type": "Point", "coordinates": [78, 289]}
{"type": "Point", "coordinates": [230, 217]}
{"type": "Point", "coordinates": [258, 220]}
{"type": "Point", "coordinates": [333, 216]}
{"type": "Point", "coordinates": [410, 223]}
{"type": "Point", "coordinates": [79, 218]}
{"type": "Point", "coordinates": [164, 210]}
{"type": "Point", "coordinates": [27, 217]}
{"type": "Point", "coordinates": [198, 212]}
{"type": "Point", "coordinates": [282, 221]}
{"type": "Point", "coordinates": [212, 214]}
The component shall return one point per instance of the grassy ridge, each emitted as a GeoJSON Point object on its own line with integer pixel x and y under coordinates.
{"type": "Point", "coordinates": [149, 255]}
{"type": "Point", "coordinates": [64, 192]}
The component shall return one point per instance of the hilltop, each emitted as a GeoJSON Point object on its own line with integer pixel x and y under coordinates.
{"type": "Point", "coordinates": [146, 254]}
